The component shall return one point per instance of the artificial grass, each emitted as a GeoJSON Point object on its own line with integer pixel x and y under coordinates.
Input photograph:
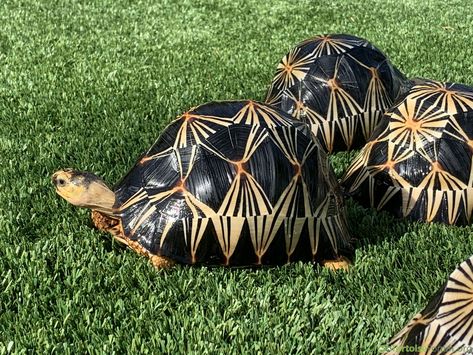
{"type": "Point", "coordinates": [90, 85]}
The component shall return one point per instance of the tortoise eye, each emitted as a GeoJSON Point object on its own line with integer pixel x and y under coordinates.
{"type": "Point", "coordinates": [61, 182]}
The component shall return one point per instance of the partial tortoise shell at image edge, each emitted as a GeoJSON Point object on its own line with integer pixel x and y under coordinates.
{"type": "Point", "coordinates": [445, 326]}
{"type": "Point", "coordinates": [235, 183]}
{"type": "Point", "coordinates": [340, 85]}
{"type": "Point", "coordinates": [418, 162]}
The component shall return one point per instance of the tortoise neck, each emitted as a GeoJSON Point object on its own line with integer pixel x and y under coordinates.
{"type": "Point", "coordinates": [100, 198]}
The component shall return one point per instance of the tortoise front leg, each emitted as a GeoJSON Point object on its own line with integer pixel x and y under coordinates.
{"type": "Point", "coordinates": [113, 226]}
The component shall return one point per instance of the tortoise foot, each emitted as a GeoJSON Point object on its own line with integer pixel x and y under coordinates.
{"type": "Point", "coordinates": [161, 262]}
{"type": "Point", "coordinates": [337, 264]}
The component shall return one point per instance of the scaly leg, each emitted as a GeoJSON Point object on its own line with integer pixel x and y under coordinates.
{"type": "Point", "coordinates": [113, 226]}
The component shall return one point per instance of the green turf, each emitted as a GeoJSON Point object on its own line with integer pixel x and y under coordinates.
{"type": "Point", "coordinates": [91, 84]}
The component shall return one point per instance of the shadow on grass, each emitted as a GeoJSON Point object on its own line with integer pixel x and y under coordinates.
{"type": "Point", "coordinates": [371, 227]}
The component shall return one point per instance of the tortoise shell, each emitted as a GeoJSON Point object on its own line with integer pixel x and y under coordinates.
{"type": "Point", "coordinates": [445, 325]}
{"type": "Point", "coordinates": [234, 183]}
{"type": "Point", "coordinates": [339, 84]}
{"type": "Point", "coordinates": [418, 163]}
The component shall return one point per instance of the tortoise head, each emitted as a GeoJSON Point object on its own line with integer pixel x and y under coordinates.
{"type": "Point", "coordinates": [84, 189]}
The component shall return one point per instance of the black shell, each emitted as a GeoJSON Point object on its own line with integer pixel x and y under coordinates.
{"type": "Point", "coordinates": [446, 324]}
{"type": "Point", "coordinates": [418, 163]}
{"type": "Point", "coordinates": [235, 183]}
{"type": "Point", "coordinates": [340, 85]}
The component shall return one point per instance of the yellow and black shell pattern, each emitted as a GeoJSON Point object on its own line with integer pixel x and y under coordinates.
{"type": "Point", "coordinates": [445, 326]}
{"type": "Point", "coordinates": [338, 84]}
{"type": "Point", "coordinates": [418, 163]}
{"type": "Point", "coordinates": [235, 183]}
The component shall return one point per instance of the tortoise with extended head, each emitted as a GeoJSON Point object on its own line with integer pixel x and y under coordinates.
{"type": "Point", "coordinates": [338, 84]}
{"type": "Point", "coordinates": [445, 326]}
{"type": "Point", "coordinates": [231, 183]}
{"type": "Point", "coordinates": [419, 161]}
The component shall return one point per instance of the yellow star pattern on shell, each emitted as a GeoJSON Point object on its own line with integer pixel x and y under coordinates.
{"type": "Point", "coordinates": [339, 84]}
{"type": "Point", "coordinates": [245, 206]}
{"type": "Point", "coordinates": [435, 138]}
